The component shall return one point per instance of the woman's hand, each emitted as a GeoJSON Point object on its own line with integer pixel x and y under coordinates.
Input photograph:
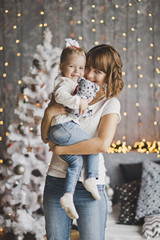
{"type": "Point", "coordinates": [44, 138]}
{"type": "Point", "coordinates": [54, 108]}
{"type": "Point", "coordinates": [51, 111]}
{"type": "Point", "coordinates": [54, 148]}
{"type": "Point", "coordinates": [51, 146]}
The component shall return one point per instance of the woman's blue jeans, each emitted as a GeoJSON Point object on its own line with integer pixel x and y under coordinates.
{"type": "Point", "coordinates": [92, 213]}
{"type": "Point", "coordinates": [66, 134]}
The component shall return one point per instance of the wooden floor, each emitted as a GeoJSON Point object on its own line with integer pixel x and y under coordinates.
{"type": "Point", "coordinates": [11, 236]}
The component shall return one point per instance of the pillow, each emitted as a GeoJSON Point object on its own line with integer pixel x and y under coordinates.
{"type": "Point", "coordinates": [127, 197]}
{"type": "Point", "coordinates": [149, 195]}
{"type": "Point", "coordinates": [151, 226]}
{"type": "Point", "coordinates": [132, 172]}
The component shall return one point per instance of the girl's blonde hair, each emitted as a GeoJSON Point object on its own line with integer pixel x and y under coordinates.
{"type": "Point", "coordinates": [69, 51]}
{"type": "Point", "coordinates": [107, 59]}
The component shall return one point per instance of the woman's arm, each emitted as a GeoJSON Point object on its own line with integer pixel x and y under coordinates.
{"type": "Point", "coordinates": [51, 111]}
{"type": "Point", "coordinates": [106, 131]}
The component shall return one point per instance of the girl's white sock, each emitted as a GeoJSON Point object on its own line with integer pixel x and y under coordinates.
{"type": "Point", "coordinates": [68, 205]}
{"type": "Point", "coordinates": [91, 186]}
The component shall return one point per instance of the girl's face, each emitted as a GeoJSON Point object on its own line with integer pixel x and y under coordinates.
{"type": "Point", "coordinates": [96, 76]}
{"type": "Point", "coordinates": [74, 67]}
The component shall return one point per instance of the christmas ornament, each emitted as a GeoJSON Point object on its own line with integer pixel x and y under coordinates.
{"type": "Point", "coordinates": [1, 177]}
{"type": "Point", "coordinates": [29, 148]}
{"type": "Point", "coordinates": [110, 192]}
{"type": "Point", "coordinates": [54, 65]}
{"type": "Point", "coordinates": [36, 173]}
{"type": "Point", "coordinates": [19, 169]}
{"type": "Point", "coordinates": [40, 199]}
{"type": "Point", "coordinates": [33, 130]}
{"type": "Point", "coordinates": [39, 211]}
{"type": "Point", "coordinates": [15, 184]}
{"type": "Point", "coordinates": [18, 237]}
{"type": "Point", "coordinates": [23, 86]}
{"type": "Point", "coordinates": [33, 87]}
{"type": "Point", "coordinates": [20, 97]}
{"type": "Point", "coordinates": [42, 85]}
{"type": "Point", "coordinates": [43, 71]}
{"type": "Point", "coordinates": [37, 120]}
{"type": "Point", "coordinates": [21, 128]}
{"type": "Point", "coordinates": [24, 206]}
{"type": "Point", "coordinates": [26, 99]}
{"type": "Point", "coordinates": [8, 162]}
{"type": "Point", "coordinates": [38, 104]}
{"type": "Point", "coordinates": [36, 63]}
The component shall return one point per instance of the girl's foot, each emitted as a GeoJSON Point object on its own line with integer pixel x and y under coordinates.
{"type": "Point", "coordinates": [91, 186]}
{"type": "Point", "coordinates": [67, 204]}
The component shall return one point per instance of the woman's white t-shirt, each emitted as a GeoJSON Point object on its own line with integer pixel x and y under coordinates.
{"type": "Point", "coordinates": [58, 167]}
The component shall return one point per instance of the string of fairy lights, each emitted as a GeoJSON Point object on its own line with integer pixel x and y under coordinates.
{"type": "Point", "coordinates": [56, 23]}
{"type": "Point", "coordinates": [155, 90]}
{"type": "Point", "coordinates": [154, 84]}
{"type": "Point", "coordinates": [18, 28]}
{"type": "Point", "coordinates": [100, 17]}
{"type": "Point", "coordinates": [114, 19]}
{"type": "Point", "coordinates": [152, 59]}
{"type": "Point", "coordinates": [42, 23]}
{"type": "Point", "coordinates": [71, 21]}
{"type": "Point", "coordinates": [138, 75]}
{"type": "Point", "coordinates": [93, 20]}
{"type": "Point", "coordinates": [80, 21]}
{"type": "Point", "coordinates": [102, 21]}
{"type": "Point", "coordinates": [4, 62]}
{"type": "Point", "coordinates": [125, 76]}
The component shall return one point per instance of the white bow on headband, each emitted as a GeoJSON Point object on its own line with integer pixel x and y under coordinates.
{"type": "Point", "coordinates": [71, 43]}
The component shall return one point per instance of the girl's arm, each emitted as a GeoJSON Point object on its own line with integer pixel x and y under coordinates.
{"type": "Point", "coordinates": [63, 95]}
{"type": "Point", "coordinates": [106, 131]}
{"type": "Point", "coordinates": [51, 111]}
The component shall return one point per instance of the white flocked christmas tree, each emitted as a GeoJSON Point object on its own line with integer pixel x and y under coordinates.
{"type": "Point", "coordinates": [23, 171]}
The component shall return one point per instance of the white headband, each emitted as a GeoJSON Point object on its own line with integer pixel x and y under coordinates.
{"type": "Point", "coordinates": [71, 43]}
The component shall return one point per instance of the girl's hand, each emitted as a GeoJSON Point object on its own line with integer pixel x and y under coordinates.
{"type": "Point", "coordinates": [83, 105]}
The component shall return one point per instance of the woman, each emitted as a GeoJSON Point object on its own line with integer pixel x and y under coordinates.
{"type": "Point", "coordinates": [104, 67]}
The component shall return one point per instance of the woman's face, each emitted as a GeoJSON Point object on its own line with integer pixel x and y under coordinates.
{"type": "Point", "coordinates": [96, 76]}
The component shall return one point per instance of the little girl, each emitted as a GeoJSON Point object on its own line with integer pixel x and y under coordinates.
{"type": "Point", "coordinates": [65, 130]}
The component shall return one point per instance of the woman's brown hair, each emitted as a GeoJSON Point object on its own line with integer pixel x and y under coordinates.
{"type": "Point", "coordinates": [107, 59]}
